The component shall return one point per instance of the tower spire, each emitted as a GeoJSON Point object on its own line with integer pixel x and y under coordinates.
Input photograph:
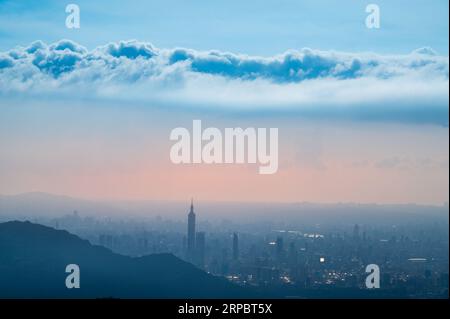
{"type": "Point", "coordinates": [191, 233]}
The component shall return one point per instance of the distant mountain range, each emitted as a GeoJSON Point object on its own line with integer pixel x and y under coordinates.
{"type": "Point", "coordinates": [33, 259]}
{"type": "Point", "coordinates": [28, 206]}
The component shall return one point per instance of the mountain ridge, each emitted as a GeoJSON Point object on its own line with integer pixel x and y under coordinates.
{"type": "Point", "coordinates": [33, 258]}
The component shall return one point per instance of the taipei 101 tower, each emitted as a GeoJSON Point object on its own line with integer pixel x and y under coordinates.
{"type": "Point", "coordinates": [191, 233]}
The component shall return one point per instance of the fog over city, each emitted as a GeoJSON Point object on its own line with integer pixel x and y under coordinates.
{"type": "Point", "coordinates": [276, 249]}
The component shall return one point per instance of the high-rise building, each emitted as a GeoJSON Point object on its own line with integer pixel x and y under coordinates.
{"type": "Point", "coordinates": [280, 248]}
{"type": "Point", "coordinates": [191, 234]}
{"type": "Point", "coordinates": [200, 248]}
{"type": "Point", "coordinates": [356, 231]}
{"type": "Point", "coordinates": [235, 247]}
{"type": "Point", "coordinates": [292, 255]}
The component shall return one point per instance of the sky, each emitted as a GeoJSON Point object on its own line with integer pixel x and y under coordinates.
{"type": "Point", "coordinates": [362, 113]}
{"type": "Point", "coordinates": [252, 27]}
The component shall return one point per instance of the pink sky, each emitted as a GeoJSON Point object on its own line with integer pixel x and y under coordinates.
{"type": "Point", "coordinates": [319, 161]}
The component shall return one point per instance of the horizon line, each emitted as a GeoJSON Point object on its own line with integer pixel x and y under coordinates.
{"type": "Point", "coordinates": [225, 201]}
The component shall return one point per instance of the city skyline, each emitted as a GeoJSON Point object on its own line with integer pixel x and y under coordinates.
{"type": "Point", "coordinates": [299, 258]}
{"type": "Point", "coordinates": [271, 150]}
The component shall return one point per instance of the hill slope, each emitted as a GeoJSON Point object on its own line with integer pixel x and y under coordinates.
{"type": "Point", "coordinates": [33, 259]}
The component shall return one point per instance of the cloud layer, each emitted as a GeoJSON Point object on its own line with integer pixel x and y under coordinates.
{"type": "Point", "coordinates": [411, 87]}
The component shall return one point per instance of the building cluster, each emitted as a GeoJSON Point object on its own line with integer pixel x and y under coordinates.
{"type": "Point", "coordinates": [413, 260]}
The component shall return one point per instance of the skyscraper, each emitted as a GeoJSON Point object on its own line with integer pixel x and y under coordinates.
{"type": "Point", "coordinates": [200, 248]}
{"type": "Point", "coordinates": [356, 231]}
{"type": "Point", "coordinates": [280, 248]}
{"type": "Point", "coordinates": [235, 246]}
{"type": "Point", "coordinates": [191, 234]}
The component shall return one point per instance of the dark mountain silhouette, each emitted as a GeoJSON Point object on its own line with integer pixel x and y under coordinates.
{"type": "Point", "coordinates": [33, 259]}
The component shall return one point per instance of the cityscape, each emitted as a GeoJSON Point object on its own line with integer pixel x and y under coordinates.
{"type": "Point", "coordinates": [290, 262]}
{"type": "Point", "coordinates": [220, 158]}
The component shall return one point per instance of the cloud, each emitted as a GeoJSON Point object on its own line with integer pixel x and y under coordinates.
{"type": "Point", "coordinates": [5, 61]}
{"type": "Point", "coordinates": [322, 84]}
{"type": "Point", "coordinates": [130, 50]}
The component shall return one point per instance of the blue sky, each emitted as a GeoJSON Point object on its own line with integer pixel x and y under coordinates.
{"type": "Point", "coordinates": [252, 27]}
{"type": "Point", "coordinates": [90, 116]}
{"type": "Point", "coordinates": [267, 66]}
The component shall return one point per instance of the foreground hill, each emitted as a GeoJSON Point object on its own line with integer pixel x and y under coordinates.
{"type": "Point", "coordinates": [33, 259]}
